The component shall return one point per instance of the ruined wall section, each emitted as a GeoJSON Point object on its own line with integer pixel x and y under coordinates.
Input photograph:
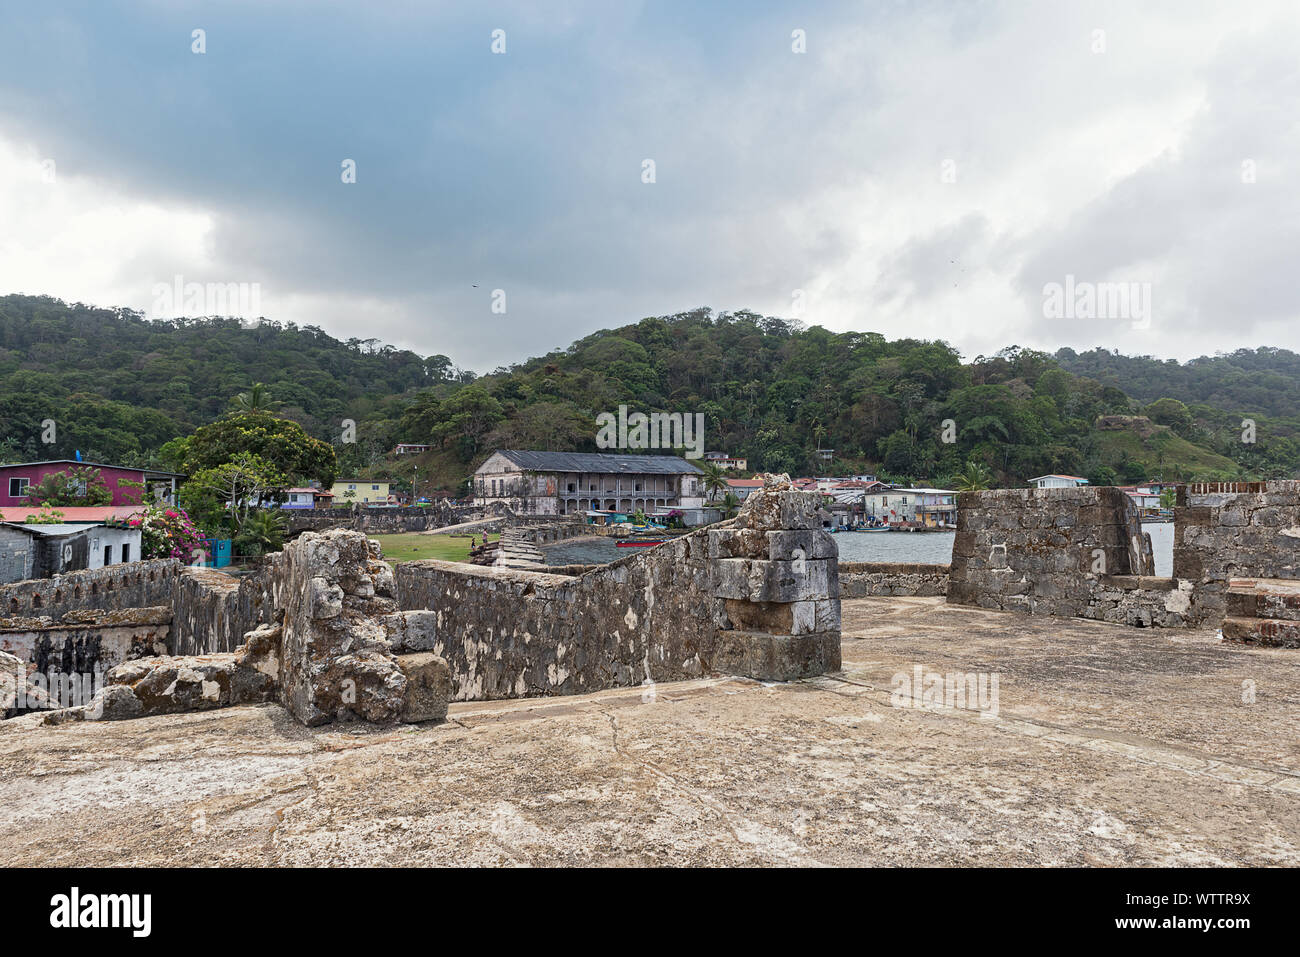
{"type": "Point", "coordinates": [757, 596]}
{"type": "Point", "coordinates": [1227, 530]}
{"type": "Point", "coordinates": [333, 597]}
{"type": "Point", "coordinates": [130, 585]}
{"type": "Point", "coordinates": [1044, 551]}
{"type": "Point", "coordinates": [86, 642]}
{"type": "Point", "coordinates": [912, 579]}
{"type": "Point", "coordinates": [213, 611]}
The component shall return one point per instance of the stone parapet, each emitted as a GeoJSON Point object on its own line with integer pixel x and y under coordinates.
{"type": "Point", "coordinates": [1044, 551]}
{"type": "Point", "coordinates": [676, 611]}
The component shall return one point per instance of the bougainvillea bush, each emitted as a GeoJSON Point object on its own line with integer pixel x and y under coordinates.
{"type": "Point", "coordinates": [167, 532]}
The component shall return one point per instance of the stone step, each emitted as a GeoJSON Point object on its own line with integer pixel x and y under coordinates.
{"type": "Point", "coordinates": [1270, 632]}
{"type": "Point", "coordinates": [1275, 598]}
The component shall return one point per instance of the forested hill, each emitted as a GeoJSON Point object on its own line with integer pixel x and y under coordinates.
{"type": "Point", "coordinates": [119, 386]}
{"type": "Point", "coordinates": [1248, 380]}
{"type": "Point", "coordinates": [775, 392]}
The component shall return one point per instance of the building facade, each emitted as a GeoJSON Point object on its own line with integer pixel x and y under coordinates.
{"type": "Point", "coordinates": [42, 551]}
{"type": "Point", "coordinates": [569, 483]}
{"type": "Point", "coordinates": [17, 478]}
{"type": "Point", "coordinates": [743, 488]}
{"type": "Point", "coordinates": [727, 462]}
{"type": "Point", "coordinates": [924, 506]}
{"type": "Point", "coordinates": [1057, 481]}
{"type": "Point", "coordinates": [363, 492]}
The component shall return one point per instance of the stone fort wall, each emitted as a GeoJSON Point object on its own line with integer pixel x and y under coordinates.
{"type": "Point", "coordinates": [756, 596]}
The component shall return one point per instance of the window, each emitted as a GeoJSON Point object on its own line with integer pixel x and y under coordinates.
{"type": "Point", "coordinates": [374, 488]}
{"type": "Point", "coordinates": [18, 487]}
{"type": "Point", "coordinates": [108, 555]}
{"type": "Point", "coordinates": [126, 553]}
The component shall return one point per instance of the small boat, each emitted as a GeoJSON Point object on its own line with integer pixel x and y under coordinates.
{"type": "Point", "coordinates": [874, 528]}
{"type": "Point", "coordinates": [639, 542]}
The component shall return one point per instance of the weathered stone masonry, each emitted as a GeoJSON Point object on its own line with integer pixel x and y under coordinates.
{"type": "Point", "coordinates": [866, 579]}
{"type": "Point", "coordinates": [756, 596]}
{"type": "Point", "coordinates": [132, 585]}
{"type": "Point", "coordinates": [1236, 558]}
{"type": "Point", "coordinates": [1043, 550]}
{"type": "Point", "coordinates": [1238, 543]}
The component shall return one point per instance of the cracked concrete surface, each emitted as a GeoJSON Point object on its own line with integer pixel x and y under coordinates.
{"type": "Point", "coordinates": [1112, 746]}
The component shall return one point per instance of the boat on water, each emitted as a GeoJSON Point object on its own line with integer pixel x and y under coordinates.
{"type": "Point", "coordinates": [639, 542]}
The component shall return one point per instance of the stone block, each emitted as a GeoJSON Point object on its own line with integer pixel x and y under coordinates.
{"type": "Point", "coordinates": [768, 657]}
{"type": "Point", "coordinates": [411, 631]}
{"type": "Point", "coordinates": [428, 687]}
{"type": "Point", "coordinates": [805, 544]}
{"type": "Point", "coordinates": [776, 508]}
{"type": "Point", "coordinates": [763, 581]}
{"type": "Point", "coordinates": [114, 703]}
{"type": "Point", "coordinates": [737, 543]}
{"type": "Point", "coordinates": [1268, 632]}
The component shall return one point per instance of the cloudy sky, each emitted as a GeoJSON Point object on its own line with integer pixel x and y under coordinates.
{"type": "Point", "coordinates": [921, 169]}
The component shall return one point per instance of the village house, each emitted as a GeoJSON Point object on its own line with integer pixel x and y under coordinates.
{"type": "Point", "coordinates": [158, 484]}
{"type": "Point", "coordinates": [851, 491]}
{"type": "Point", "coordinates": [1058, 481]}
{"type": "Point", "coordinates": [360, 492]}
{"type": "Point", "coordinates": [410, 448]}
{"type": "Point", "coordinates": [724, 461]}
{"type": "Point", "coordinates": [307, 497]}
{"type": "Point", "coordinates": [924, 506]}
{"type": "Point", "coordinates": [42, 551]}
{"type": "Point", "coordinates": [1145, 497]}
{"type": "Point", "coordinates": [568, 483]}
{"type": "Point", "coordinates": [743, 488]}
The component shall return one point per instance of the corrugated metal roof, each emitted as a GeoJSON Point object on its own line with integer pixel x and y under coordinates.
{"type": "Point", "coordinates": [93, 465]}
{"type": "Point", "coordinates": [50, 530]}
{"type": "Point", "coordinates": [599, 462]}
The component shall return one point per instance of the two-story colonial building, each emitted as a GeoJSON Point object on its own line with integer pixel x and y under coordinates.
{"type": "Point", "coordinates": [568, 483]}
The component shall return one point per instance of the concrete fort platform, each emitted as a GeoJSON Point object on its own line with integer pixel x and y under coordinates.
{"type": "Point", "coordinates": [1111, 746]}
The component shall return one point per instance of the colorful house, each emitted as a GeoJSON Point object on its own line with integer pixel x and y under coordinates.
{"type": "Point", "coordinates": [363, 492]}
{"type": "Point", "coordinates": [727, 462]}
{"type": "Point", "coordinates": [307, 497]}
{"type": "Point", "coordinates": [743, 488]}
{"type": "Point", "coordinates": [1057, 481]}
{"type": "Point", "coordinates": [17, 478]}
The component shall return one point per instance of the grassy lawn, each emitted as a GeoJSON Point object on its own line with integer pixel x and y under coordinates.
{"type": "Point", "coordinates": [410, 546]}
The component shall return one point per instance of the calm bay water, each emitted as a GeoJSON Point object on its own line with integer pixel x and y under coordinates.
{"type": "Point", "coordinates": [935, 548]}
{"type": "Point", "coordinates": [927, 548]}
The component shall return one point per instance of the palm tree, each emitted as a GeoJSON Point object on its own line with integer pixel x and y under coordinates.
{"type": "Point", "coordinates": [730, 505]}
{"type": "Point", "coordinates": [973, 478]}
{"type": "Point", "coordinates": [715, 479]}
{"type": "Point", "coordinates": [264, 531]}
{"type": "Point", "coordinates": [819, 433]}
{"type": "Point", "coordinates": [256, 399]}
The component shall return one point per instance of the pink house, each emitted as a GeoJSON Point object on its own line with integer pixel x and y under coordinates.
{"type": "Point", "coordinates": [14, 480]}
